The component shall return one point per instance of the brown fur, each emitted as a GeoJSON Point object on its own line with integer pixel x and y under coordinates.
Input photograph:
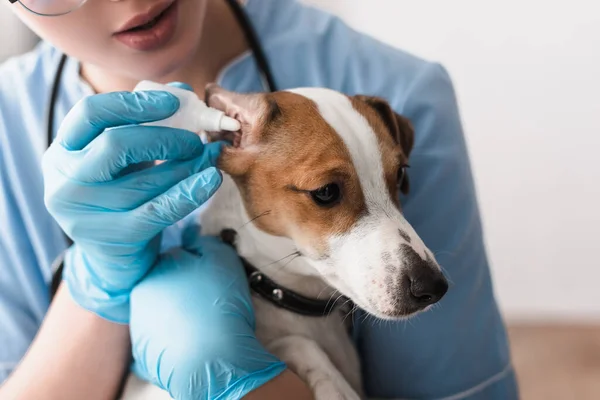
{"type": "Point", "coordinates": [395, 134]}
{"type": "Point", "coordinates": [279, 161]}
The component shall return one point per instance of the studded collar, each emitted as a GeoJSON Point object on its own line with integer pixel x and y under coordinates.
{"type": "Point", "coordinates": [278, 295]}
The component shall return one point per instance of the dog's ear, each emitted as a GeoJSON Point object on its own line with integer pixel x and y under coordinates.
{"type": "Point", "coordinates": [247, 108]}
{"type": "Point", "coordinates": [399, 127]}
{"type": "Point", "coordinates": [253, 111]}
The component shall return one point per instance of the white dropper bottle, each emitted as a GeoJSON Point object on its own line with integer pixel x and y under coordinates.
{"type": "Point", "coordinates": [193, 114]}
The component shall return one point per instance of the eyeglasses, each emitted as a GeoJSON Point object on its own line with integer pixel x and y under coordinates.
{"type": "Point", "coordinates": [50, 8]}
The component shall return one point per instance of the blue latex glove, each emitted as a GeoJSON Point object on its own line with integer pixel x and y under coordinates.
{"type": "Point", "coordinates": [192, 324]}
{"type": "Point", "coordinates": [115, 218]}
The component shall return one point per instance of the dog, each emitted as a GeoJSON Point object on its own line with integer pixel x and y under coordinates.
{"type": "Point", "coordinates": [310, 200]}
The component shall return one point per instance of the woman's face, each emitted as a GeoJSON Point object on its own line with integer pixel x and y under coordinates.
{"type": "Point", "coordinates": [99, 33]}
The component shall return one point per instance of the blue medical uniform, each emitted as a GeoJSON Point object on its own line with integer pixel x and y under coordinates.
{"type": "Point", "coordinates": [458, 350]}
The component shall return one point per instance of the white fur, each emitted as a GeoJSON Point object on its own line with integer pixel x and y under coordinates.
{"type": "Point", "coordinates": [319, 350]}
{"type": "Point", "coordinates": [365, 278]}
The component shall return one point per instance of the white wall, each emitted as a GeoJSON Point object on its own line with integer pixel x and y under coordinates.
{"type": "Point", "coordinates": [15, 38]}
{"type": "Point", "coordinates": [527, 74]}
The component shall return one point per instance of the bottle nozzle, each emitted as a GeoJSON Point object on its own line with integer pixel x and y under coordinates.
{"type": "Point", "coordinates": [213, 120]}
{"type": "Point", "coordinates": [230, 124]}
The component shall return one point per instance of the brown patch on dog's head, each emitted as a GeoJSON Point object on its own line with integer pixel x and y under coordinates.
{"type": "Point", "coordinates": [396, 138]}
{"type": "Point", "coordinates": [284, 152]}
{"type": "Point", "coordinates": [293, 143]}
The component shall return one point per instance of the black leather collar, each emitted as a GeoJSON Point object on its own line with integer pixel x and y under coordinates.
{"type": "Point", "coordinates": [278, 295]}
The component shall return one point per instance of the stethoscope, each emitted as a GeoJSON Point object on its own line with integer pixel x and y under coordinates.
{"type": "Point", "coordinates": [264, 71]}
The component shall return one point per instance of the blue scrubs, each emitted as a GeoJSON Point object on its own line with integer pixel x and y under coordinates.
{"type": "Point", "coordinates": [458, 350]}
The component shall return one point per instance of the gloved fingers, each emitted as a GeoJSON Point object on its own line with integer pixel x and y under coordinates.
{"type": "Point", "coordinates": [159, 178]}
{"type": "Point", "coordinates": [179, 201]}
{"type": "Point", "coordinates": [125, 193]}
{"type": "Point", "coordinates": [191, 238]}
{"type": "Point", "coordinates": [118, 148]}
{"type": "Point", "coordinates": [193, 241]}
{"type": "Point", "coordinates": [93, 114]}
{"type": "Point", "coordinates": [181, 85]}
{"type": "Point", "coordinates": [173, 171]}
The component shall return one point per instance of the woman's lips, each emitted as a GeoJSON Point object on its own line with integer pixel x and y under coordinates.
{"type": "Point", "coordinates": [150, 31]}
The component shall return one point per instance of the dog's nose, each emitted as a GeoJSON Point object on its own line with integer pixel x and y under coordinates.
{"type": "Point", "coordinates": [427, 284]}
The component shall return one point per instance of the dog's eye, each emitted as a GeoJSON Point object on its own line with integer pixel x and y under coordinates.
{"type": "Point", "coordinates": [401, 174]}
{"type": "Point", "coordinates": [327, 195]}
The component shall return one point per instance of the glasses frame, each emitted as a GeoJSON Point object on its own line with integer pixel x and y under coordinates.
{"type": "Point", "coordinates": [82, 2]}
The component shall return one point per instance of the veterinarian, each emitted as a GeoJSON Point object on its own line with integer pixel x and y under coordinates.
{"type": "Point", "coordinates": [174, 304]}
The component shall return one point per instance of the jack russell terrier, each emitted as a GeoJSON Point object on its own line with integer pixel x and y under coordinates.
{"type": "Point", "coordinates": [318, 173]}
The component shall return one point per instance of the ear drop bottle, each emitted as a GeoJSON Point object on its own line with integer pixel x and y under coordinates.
{"type": "Point", "coordinates": [193, 114]}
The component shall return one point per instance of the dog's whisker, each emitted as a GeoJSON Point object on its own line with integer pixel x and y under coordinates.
{"type": "Point", "coordinates": [447, 275]}
{"type": "Point", "coordinates": [282, 266]}
{"type": "Point", "coordinates": [346, 302]}
{"type": "Point", "coordinates": [295, 253]}
{"type": "Point", "coordinates": [442, 253]}
{"type": "Point", "coordinates": [351, 312]}
{"type": "Point", "coordinates": [255, 218]}
{"type": "Point", "coordinates": [333, 294]}
{"type": "Point", "coordinates": [366, 316]}
{"type": "Point", "coordinates": [337, 299]}
{"type": "Point", "coordinates": [435, 306]}
{"type": "Point", "coordinates": [335, 291]}
{"type": "Point", "coordinates": [322, 290]}
{"type": "Point", "coordinates": [347, 313]}
{"type": "Point", "coordinates": [354, 310]}
{"type": "Point", "coordinates": [374, 320]}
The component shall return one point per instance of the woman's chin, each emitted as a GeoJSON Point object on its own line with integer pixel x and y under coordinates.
{"type": "Point", "coordinates": [165, 65]}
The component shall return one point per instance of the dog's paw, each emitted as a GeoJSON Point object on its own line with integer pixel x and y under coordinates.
{"type": "Point", "coordinates": [313, 366]}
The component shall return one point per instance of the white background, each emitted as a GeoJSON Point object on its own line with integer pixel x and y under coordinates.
{"type": "Point", "coordinates": [14, 38]}
{"type": "Point", "coordinates": [527, 75]}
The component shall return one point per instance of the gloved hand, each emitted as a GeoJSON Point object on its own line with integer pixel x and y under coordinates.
{"type": "Point", "coordinates": [192, 324]}
{"type": "Point", "coordinates": [115, 218]}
